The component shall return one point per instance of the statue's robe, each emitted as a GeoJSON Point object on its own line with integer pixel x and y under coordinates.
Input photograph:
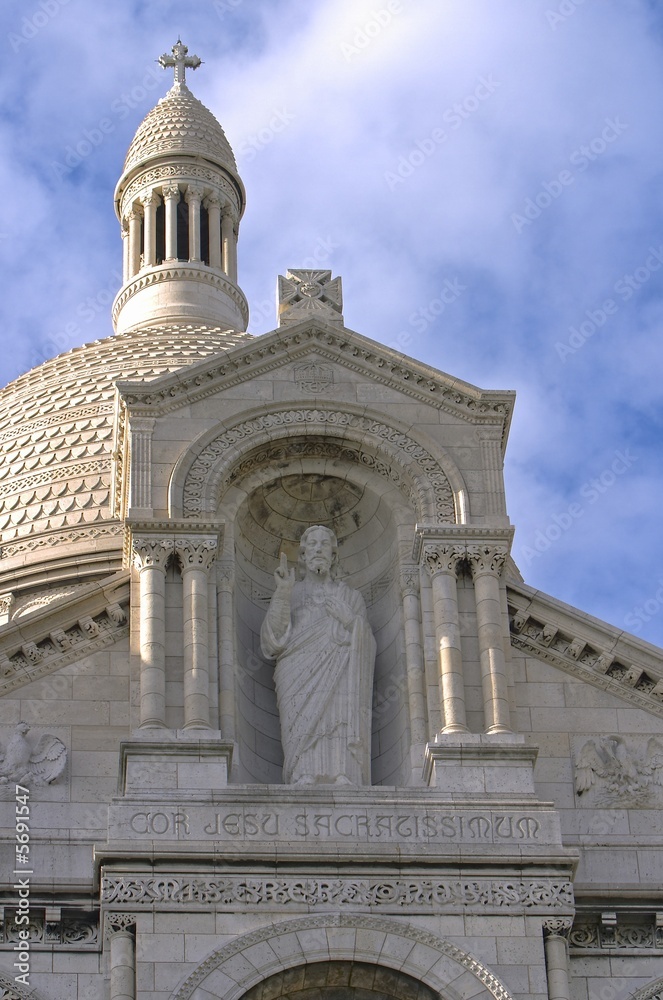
{"type": "Point", "coordinates": [324, 681]}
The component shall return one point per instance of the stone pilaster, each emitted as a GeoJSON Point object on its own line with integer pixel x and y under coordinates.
{"type": "Point", "coordinates": [151, 555]}
{"type": "Point", "coordinates": [150, 203]}
{"type": "Point", "coordinates": [196, 555]}
{"type": "Point", "coordinates": [225, 578]}
{"type": "Point", "coordinates": [491, 456]}
{"type": "Point", "coordinates": [122, 940]}
{"type": "Point", "coordinates": [171, 196]}
{"type": "Point", "coordinates": [441, 560]}
{"type": "Point", "coordinates": [140, 488]}
{"type": "Point", "coordinates": [193, 196]}
{"type": "Point", "coordinates": [555, 940]}
{"type": "Point", "coordinates": [135, 218]}
{"type": "Point", "coordinates": [487, 562]}
{"type": "Point", "coordinates": [414, 654]}
{"type": "Point", "coordinates": [213, 206]}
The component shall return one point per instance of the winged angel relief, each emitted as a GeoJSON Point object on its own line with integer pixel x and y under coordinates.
{"type": "Point", "coordinates": [23, 763]}
{"type": "Point", "coordinates": [621, 777]}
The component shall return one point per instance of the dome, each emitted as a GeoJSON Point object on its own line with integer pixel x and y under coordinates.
{"type": "Point", "coordinates": [180, 123]}
{"type": "Point", "coordinates": [56, 436]}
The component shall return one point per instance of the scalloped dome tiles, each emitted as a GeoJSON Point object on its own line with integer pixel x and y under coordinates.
{"type": "Point", "coordinates": [180, 124]}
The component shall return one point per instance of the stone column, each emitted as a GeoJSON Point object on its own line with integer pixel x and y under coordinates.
{"type": "Point", "coordinates": [125, 251]}
{"type": "Point", "coordinates": [122, 958]}
{"type": "Point", "coordinates": [194, 195]}
{"type": "Point", "coordinates": [414, 654]}
{"type": "Point", "coordinates": [135, 221]}
{"type": "Point", "coordinates": [150, 202]}
{"type": "Point", "coordinates": [487, 562]}
{"type": "Point", "coordinates": [213, 206]}
{"type": "Point", "coordinates": [171, 195]}
{"type": "Point", "coordinates": [228, 246]}
{"type": "Point", "coordinates": [555, 936]}
{"type": "Point", "coordinates": [196, 556]}
{"type": "Point", "coordinates": [151, 555]}
{"type": "Point", "coordinates": [225, 583]}
{"type": "Point", "coordinates": [441, 560]}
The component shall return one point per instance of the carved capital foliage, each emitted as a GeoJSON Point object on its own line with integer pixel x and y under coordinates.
{"type": "Point", "coordinates": [226, 572]}
{"type": "Point", "coordinates": [134, 214]}
{"type": "Point", "coordinates": [487, 559]}
{"type": "Point", "coordinates": [212, 201]}
{"type": "Point", "coordinates": [117, 923]}
{"type": "Point", "coordinates": [194, 192]}
{"type": "Point", "coordinates": [151, 552]}
{"type": "Point", "coordinates": [410, 582]}
{"type": "Point", "coordinates": [442, 557]}
{"type": "Point", "coordinates": [196, 553]}
{"type": "Point", "coordinates": [151, 198]}
{"type": "Point", "coordinates": [558, 927]}
{"type": "Point", "coordinates": [170, 191]}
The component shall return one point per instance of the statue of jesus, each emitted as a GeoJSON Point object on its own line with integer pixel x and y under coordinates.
{"type": "Point", "coordinates": [317, 631]}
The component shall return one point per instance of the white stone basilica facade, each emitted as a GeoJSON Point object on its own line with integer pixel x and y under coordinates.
{"type": "Point", "coordinates": [362, 764]}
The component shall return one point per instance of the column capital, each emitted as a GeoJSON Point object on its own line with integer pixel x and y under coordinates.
{"type": "Point", "coordinates": [441, 557]}
{"type": "Point", "coordinates": [151, 551]}
{"type": "Point", "coordinates": [409, 581]}
{"type": "Point", "coordinates": [557, 927]}
{"type": "Point", "coordinates": [150, 198]}
{"type": "Point", "coordinates": [134, 213]}
{"type": "Point", "coordinates": [119, 923]}
{"type": "Point", "coordinates": [213, 201]}
{"type": "Point", "coordinates": [194, 192]}
{"type": "Point", "coordinates": [195, 552]}
{"type": "Point", "coordinates": [170, 191]}
{"type": "Point", "coordinates": [226, 572]}
{"type": "Point", "coordinates": [487, 558]}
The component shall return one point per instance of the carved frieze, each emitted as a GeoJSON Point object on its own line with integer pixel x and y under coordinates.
{"type": "Point", "coordinates": [412, 894]}
{"type": "Point", "coordinates": [624, 934]}
{"type": "Point", "coordinates": [53, 928]}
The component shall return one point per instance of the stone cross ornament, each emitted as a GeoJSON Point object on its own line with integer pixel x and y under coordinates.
{"type": "Point", "coordinates": [179, 61]}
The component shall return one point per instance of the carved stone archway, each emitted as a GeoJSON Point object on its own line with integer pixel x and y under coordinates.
{"type": "Point", "coordinates": [653, 991]}
{"type": "Point", "coordinates": [234, 969]}
{"type": "Point", "coordinates": [432, 482]}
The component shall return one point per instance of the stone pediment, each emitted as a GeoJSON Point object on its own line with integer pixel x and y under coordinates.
{"type": "Point", "coordinates": [314, 347]}
{"type": "Point", "coordinates": [587, 648]}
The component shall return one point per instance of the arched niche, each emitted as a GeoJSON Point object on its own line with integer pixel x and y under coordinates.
{"type": "Point", "coordinates": [341, 981]}
{"type": "Point", "coordinates": [266, 512]}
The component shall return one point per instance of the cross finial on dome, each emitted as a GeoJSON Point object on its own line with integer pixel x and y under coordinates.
{"type": "Point", "coordinates": [180, 61]}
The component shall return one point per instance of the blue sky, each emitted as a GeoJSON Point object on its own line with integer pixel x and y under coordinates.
{"type": "Point", "coordinates": [485, 175]}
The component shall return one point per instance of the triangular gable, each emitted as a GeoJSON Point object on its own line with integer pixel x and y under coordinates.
{"type": "Point", "coordinates": [315, 338]}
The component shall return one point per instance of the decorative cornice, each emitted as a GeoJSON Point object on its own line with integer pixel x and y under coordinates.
{"type": "Point", "coordinates": [189, 271]}
{"type": "Point", "coordinates": [462, 538]}
{"type": "Point", "coordinates": [535, 630]}
{"type": "Point", "coordinates": [351, 350]}
{"type": "Point", "coordinates": [94, 617]}
{"type": "Point", "coordinates": [182, 171]}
